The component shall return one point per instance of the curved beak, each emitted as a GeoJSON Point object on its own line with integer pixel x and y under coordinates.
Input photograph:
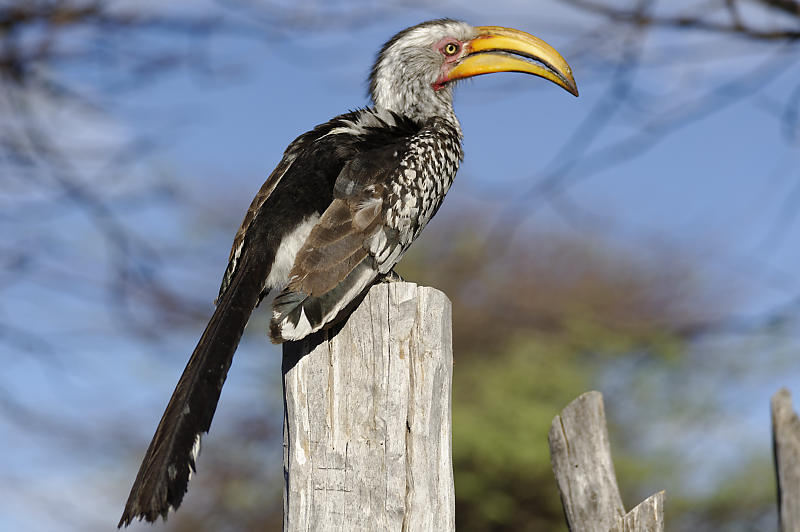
{"type": "Point", "coordinates": [498, 49]}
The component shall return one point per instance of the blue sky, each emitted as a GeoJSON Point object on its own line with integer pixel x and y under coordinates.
{"type": "Point", "coordinates": [711, 192]}
{"type": "Point", "coordinates": [714, 188]}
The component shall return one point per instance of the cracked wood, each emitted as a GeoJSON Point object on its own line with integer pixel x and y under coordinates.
{"type": "Point", "coordinates": [581, 458]}
{"type": "Point", "coordinates": [786, 447]}
{"type": "Point", "coordinates": [367, 424]}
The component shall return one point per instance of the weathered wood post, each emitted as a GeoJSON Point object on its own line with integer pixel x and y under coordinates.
{"type": "Point", "coordinates": [786, 448]}
{"type": "Point", "coordinates": [367, 418]}
{"type": "Point", "coordinates": [581, 458]}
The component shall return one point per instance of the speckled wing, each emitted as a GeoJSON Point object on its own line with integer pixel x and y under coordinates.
{"type": "Point", "coordinates": [348, 248]}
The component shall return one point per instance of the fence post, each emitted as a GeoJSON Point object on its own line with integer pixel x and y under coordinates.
{"type": "Point", "coordinates": [581, 458]}
{"type": "Point", "coordinates": [786, 449]}
{"type": "Point", "coordinates": [367, 418]}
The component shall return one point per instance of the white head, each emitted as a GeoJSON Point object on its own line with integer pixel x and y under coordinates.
{"type": "Point", "coordinates": [404, 77]}
{"type": "Point", "coordinates": [414, 72]}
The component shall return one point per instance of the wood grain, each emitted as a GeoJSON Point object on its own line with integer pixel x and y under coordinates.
{"type": "Point", "coordinates": [367, 427]}
{"type": "Point", "coordinates": [648, 516]}
{"type": "Point", "coordinates": [581, 458]}
{"type": "Point", "coordinates": [786, 446]}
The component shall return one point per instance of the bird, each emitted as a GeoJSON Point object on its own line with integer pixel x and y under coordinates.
{"type": "Point", "coordinates": [339, 211]}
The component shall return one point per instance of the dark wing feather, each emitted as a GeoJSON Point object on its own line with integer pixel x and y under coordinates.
{"type": "Point", "coordinates": [299, 148]}
{"type": "Point", "coordinates": [336, 244]}
{"type": "Point", "coordinates": [170, 459]}
{"type": "Point", "coordinates": [342, 254]}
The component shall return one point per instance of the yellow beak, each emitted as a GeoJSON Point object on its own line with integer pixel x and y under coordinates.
{"type": "Point", "coordinates": [498, 49]}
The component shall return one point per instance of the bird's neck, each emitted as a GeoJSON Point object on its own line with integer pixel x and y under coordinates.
{"type": "Point", "coordinates": [417, 101]}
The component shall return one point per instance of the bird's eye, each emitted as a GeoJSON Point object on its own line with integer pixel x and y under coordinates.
{"type": "Point", "coordinates": [450, 48]}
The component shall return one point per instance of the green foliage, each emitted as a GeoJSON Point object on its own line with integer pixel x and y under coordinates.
{"type": "Point", "coordinates": [503, 406]}
{"type": "Point", "coordinates": [534, 327]}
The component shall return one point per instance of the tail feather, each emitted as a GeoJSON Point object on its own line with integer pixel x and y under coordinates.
{"type": "Point", "coordinates": [295, 314]}
{"type": "Point", "coordinates": [169, 461]}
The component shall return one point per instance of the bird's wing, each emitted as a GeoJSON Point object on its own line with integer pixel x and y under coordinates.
{"type": "Point", "coordinates": [348, 248]}
{"type": "Point", "coordinates": [300, 147]}
{"type": "Point", "coordinates": [170, 459]}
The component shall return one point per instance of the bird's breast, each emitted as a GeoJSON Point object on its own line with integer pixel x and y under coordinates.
{"type": "Point", "coordinates": [421, 182]}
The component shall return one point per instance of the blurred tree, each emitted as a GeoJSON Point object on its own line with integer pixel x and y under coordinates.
{"type": "Point", "coordinates": [533, 328]}
{"type": "Point", "coordinates": [78, 206]}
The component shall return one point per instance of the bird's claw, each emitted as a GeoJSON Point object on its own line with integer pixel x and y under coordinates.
{"type": "Point", "coordinates": [392, 277]}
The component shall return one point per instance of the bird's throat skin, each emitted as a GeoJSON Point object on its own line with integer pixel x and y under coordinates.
{"type": "Point", "coordinates": [339, 211]}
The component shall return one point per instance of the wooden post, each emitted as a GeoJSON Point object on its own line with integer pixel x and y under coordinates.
{"type": "Point", "coordinates": [646, 517]}
{"type": "Point", "coordinates": [786, 448]}
{"type": "Point", "coordinates": [367, 418]}
{"type": "Point", "coordinates": [581, 458]}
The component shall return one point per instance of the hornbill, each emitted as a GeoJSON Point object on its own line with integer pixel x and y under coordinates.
{"type": "Point", "coordinates": [336, 215]}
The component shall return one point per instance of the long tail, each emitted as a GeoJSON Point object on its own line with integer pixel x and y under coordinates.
{"type": "Point", "coordinates": [170, 460]}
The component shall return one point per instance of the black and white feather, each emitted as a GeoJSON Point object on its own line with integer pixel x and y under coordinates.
{"type": "Point", "coordinates": [340, 210]}
{"type": "Point", "coordinates": [383, 197]}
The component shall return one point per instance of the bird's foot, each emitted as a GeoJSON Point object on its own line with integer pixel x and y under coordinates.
{"type": "Point", "coordinates": [392, 277]}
